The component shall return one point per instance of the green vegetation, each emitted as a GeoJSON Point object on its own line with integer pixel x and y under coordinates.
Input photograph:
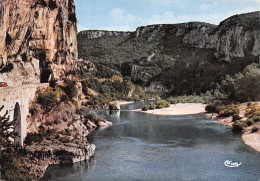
{"type": "Point", "coordinates": [243, 87]}
{"type": "Point", "coordinates": [182, 68]}
{"type": "Point", "coordinates": [12, 159]}
{"type": "Point", "coordinates": [255, 129]}
{"type": "Point", "coordinates": [253, 116]}
{"type": "Point", "coordinates": [70, 88]}
{"type": "Point", "coordinates": [92, 116]}
{"type": "Point", "coordinates": [208, 97]}
{"type": "Point", "coordinates": [112, 89]}
{"type": "Point", "coordinates": [239, 126]}
{"type": "Point", "coordinates": [159, 104]}
{"type": "Point", "coordinates": [229, 110]}
{"type": "Point", "coordinates": [50, 98]}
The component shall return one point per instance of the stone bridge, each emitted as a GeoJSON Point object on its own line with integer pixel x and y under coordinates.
{"type": "Point", "coordinates": [16, 101]}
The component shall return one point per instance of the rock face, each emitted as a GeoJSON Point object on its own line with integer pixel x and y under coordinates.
{"type": "Point", "coordinates": [49, 153]}
{"type": "Point", "coordinates": [93, 34]}
{"type": "Point", "coordinates": [38, 40]}
{"type": "Point", "coordinates": [183, 58]}
{"type": "Point", "coordinates": [114, 105]}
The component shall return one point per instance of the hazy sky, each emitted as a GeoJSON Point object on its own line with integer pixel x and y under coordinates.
{"type": "Point", "coordinates": [127, 15]}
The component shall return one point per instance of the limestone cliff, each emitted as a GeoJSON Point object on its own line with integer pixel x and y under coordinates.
{"type": "Point", "coordinates": [39, 40]}
{"type": "Point", "coordinates": [99, 34]}
{"type": "Point", "coordinates": [183, 58]}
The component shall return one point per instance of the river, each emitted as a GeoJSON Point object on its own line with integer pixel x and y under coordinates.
{"type": "Point", "coordinates": [142, 146]}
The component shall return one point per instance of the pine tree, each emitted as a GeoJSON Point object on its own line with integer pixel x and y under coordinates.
{"type": "Point", "coordinates": [6, 131]}
{"type": "Point", "coordinates": [12, 158]}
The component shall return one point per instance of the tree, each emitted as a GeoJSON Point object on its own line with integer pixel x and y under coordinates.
{"type": "Point", "coordinates": [6, 130]}
{"type": "Point", "coordinates": [12, 159]}
{"type": "Point", "coordinates": [6, 134]}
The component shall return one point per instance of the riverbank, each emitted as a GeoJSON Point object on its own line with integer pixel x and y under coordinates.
{"type": "Point", "coordinates": [250, 138]}
{"type": "Point", "coordinates": [121, 103]}
{"type": "Point", "coordinates": [178, 109]}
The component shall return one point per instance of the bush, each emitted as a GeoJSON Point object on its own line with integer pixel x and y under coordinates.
{"type": "Point", "coordinates": [256, 118]}
{"type": "Point", "coordinates": [93, 117]}
{"type": "Point", "coordinates": [254, 129]}
{"type": "Point", "coordinates": [64, 139]}
{"type": "Point", "coordinates": [48, 100]}
{"type": "Point", "coordinates": [152, 107]}
{"type": "Point", "coordinates": [162, 104]}
{"type": "Point", "coordinates": [236, 117]}
{"type": "Point", "coordinates": [70, 88]}
{"type": "Point", "coordinates": [145, 108]}
{"type": "Point", "coordinates": [33, 138]}
{"type": "Point", "coordinates": [159, 104]}
{"type": "Point", "coordinates": [203, 98]}
{"type": "Point", "coordinates": [230, 110]}
{"type": "Point", "coordinates": [99, 100]}
{"type": "Point", "coordinates": [249, 122]}
{"type": "Point", "coordinates": [239, 126]}
{"type": "Point", "coordinates": [211, 108]}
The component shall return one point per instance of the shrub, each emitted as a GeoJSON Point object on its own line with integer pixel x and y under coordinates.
{"type": "Point", "coordinates": [92, 116]}
{"type": "Point", "coordinates": [226, 111]}
{"type": "Point", "coordinates": [33, 138]}
{"type": "Point", "coordinates": [64, 139]}
{"type": "Point", "coordinates": [145, 108]}
{"type": "Point", "coordinates": [48, 100]}
{"type": "Point", "coordinates": [239, 126]}
{"type": "Point", "coordinates": [211, 108]}
{"type": "Point", "coordinates": [99, 100]}
{"type": "Point", "coordinates": [162, 104]}
{"type": "Point", "coordinates": [71, 88]}
{"type": "Point", "coordinates": [236, 117]}
{"type": "Point", "coordinates": [249, 122]}
{"type": "Point", "coordinates": [254, 129]}
{"type": "Point", "coordinates": [152, 107]}
{"type": "Point", "coordinates": [159, 104]}
{"type": "Point", "coordinates": [256, 118]}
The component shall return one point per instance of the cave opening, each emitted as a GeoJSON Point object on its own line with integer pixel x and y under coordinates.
{"type": "Point", "coordinates": [45, 76]}
{"type": "Point", "coordinates": [45, 73]}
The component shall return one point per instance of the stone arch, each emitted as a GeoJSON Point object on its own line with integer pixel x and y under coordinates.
{"type": "Point", "coordinates": [17, 124]}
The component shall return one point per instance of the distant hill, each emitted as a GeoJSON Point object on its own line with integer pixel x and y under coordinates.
{"type": "Point", "coordinates": [183, 58]}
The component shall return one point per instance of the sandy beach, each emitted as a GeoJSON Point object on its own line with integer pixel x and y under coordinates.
{"type": "Point", "coordinates": [125, 102]}
{"type": "Point", "coordinates": [252, 139]}
{"type": "Point", "coordinates": [179, 109]}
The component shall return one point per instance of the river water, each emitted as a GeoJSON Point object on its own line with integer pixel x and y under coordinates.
{"type": "Point", "coordinates": [142, 146]}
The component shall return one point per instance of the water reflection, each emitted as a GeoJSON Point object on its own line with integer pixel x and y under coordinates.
{"type": "Point", "coordinates": [72, 172]}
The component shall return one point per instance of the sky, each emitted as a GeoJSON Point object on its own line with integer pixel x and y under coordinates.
{"type": "Point", "coordinates": [127, 15]}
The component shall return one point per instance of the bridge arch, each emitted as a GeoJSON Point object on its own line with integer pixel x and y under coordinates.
{"type": "Point", "coordinates": [17, 118]}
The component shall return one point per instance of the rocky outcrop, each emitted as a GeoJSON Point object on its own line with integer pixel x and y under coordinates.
{"type": "Point", "coordinates": [185, 58]}
{"type": "Point", "coordinates": [50, 153]}
{"type": "Point", "coordinates": [59, 135]}
{"type": "Point", "coordinates": [39, 40]}
{"type": "Point", "coordinates": [93, 34]}
{"type": "Point", "coordinates": [114, 105]}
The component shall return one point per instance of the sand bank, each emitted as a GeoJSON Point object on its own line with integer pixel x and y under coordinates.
{"type": "Point", "coordinates": [252, 139]}
{"type": "Point", "coordinates": [179, 109]}
{"type": "Point", "coordinates": [125, 102]}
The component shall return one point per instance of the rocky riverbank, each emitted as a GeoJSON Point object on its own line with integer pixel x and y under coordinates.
{"type": "Point", "coordinates": [250, 134]}
{"type": "Point", "coordinates": [52, 153]}
{"type": "Point", "coordinates": [56, 132]}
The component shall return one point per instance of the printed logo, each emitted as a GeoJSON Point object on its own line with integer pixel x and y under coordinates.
{"type": "Point", "coordinates": [232, 164]}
